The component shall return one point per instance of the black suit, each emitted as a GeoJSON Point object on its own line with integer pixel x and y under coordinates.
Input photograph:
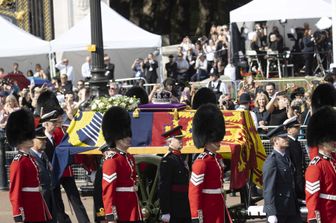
{"type": "Point", "coordinates": [173, 188]}
{"type": "Point", "coordinates": [109, 68]}
{"type": "Point", "coordinates": [279, 189]}
{"type": "Point", "coordinates": [296, 155]}
{"type": "Point", "coordinates": [46, 182]}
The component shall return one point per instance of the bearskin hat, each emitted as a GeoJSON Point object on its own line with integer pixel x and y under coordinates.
{"type": "Point", "coordinates": [208, 125]}
{"type": "Point", "coordinates": [203, 96]}
{"type": "Point", "coordinates": [324, 95]}
{"type": "Point", "coordinates": [321, 127]}
{"type": "Point", "coordinates": [138, 92]}
{"type": "Point", "coordinates": [20, 127]}
{"type": "Point", "coordinates": [116, 125]}
{"type": "Point", "coordinates": [47, 102]}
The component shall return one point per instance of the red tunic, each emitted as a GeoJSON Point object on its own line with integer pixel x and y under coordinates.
{"type": "Point", "coordinates": [24, 192]}
{"type": "Point", "coordinates": [119, 188]}
{"type": "Point", "coordinates": [321, 189]}
{"type": "Point", "coordinates": [207, 201]}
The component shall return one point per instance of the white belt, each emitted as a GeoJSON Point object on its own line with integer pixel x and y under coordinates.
{"type": "Point", "coordinates": [31, 189]}
{"type": "Point", "coordinates": [328, 196]}
{"type": "Point", "coordinates": [213, 191]}
{"type": "Point", "coordinates": [127, 189]}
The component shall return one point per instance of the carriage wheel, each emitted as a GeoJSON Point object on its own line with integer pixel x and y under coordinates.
{"type": "Point", "coordinates": [147, 167]}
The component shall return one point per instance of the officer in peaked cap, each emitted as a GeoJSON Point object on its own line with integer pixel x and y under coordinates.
{"type": "Point", "coordinates": [45, 170]}
{"type": "Point", "coordinates": [296, 154]}
{"type": "Point", "coordinates": [321, 173]}
{"type": "Point", "coordinates": [206, 182]}
{"type": "Point", "coordinates": [119, 173]}
{"type": "Point", "coordinates": [24, 174]}
{"type": "Point", "coordinates": [279, 181]}
{"type": "Point", "coordinates": [50, 113]}
{"type": "Point", "coordinates": [174, 179]}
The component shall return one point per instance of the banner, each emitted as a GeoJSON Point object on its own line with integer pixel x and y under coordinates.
{"type": "Point", "coordinates": [241, 143]}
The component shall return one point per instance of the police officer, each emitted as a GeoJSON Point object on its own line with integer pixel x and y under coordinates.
{"type": "Point", "coordinates": [119, 189]}
{"type": "Point", "coordinates": [206, 194]}
{"type": "Point", "coordinates": [25, 195]}
{"type": "Point", "coordinates": [280, 200]}
{"type": "Point", "coordinates": [174, 179]}
{"type": "Point", "coordinates": [321, 172]}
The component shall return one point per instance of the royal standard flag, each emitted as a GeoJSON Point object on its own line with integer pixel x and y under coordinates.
{"type": "Point", "coordinates": [241, 143]}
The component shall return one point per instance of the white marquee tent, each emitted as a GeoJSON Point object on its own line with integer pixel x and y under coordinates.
{"type": "Point", "coordinates": [266, 10]}
{"type": "Point", "coordinates": [19, 46]}
{"type": "Point", "coordinates": [123, 41]}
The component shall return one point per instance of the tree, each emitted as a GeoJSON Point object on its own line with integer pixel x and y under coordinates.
{"type": "Point", "coordinates": [177, 18]}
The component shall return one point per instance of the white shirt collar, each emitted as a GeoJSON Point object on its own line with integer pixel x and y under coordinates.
{"type": "Point", "coordinates": [280, 152]}
{"type": "Point", "coordinates": [36, 152]}
{"type": "Point", "coordinates": [49, 136]}
{"type": "Point", "coordinates": [289, 136]}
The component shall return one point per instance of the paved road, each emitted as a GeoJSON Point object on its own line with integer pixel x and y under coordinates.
{"type": "Point", "coordinates": [6, 214]}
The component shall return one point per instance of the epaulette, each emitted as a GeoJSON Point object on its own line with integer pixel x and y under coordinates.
{"type": "Point", "coordinates": [202, 155]}
{"type": "Point", "coordinates": [111, 155]}
{"type": "Point", "coordinates": [315, 160]}
{"type": "Point", "coordinates": [19, 156]}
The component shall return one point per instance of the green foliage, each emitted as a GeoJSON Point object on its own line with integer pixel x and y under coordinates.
{"type": "Point", "coordinates": [177, 18]}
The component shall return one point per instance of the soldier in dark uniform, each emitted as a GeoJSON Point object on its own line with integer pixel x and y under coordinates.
{"type": "Point", "coordinates": [50, 112]}
{"type": "Point", "coordinates": [45, 168]}
{"type": "Point", "coordinates": [296, 155]}
{"type": "Point", "coordinates": [280, 200]}
{"type": "Point", "coordinates": [174, 181]}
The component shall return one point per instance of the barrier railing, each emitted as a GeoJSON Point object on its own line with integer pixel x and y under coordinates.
{"type": "Point", "coordinates": [281, 84]}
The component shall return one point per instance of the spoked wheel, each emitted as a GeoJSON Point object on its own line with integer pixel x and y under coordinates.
{"type": "Point", "coordinates": [147, 167]}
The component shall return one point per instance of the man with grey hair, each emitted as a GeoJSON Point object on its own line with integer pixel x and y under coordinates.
{"type": "Point", "coordinates": [174, 180]}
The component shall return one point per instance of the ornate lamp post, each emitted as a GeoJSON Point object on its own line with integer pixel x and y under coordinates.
{"type": "Point", "coordinates": [98, 81]}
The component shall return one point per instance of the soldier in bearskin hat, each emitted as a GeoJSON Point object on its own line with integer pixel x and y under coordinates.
{"type": "Point", "coordinates": [174, 179]}
{"type": "Point", "coordinates": [119, 174]}
{"type": "Point", "coordinates": [203, 96]}
{"type": "Point", "coordinates": [206, 182]}
{"type": "Point", "coordinates": [50, 114]}
{"type": "Point", "coordinates": [323, 95]}
{"type": "Point", "coordinates": [25, 195]}
{"type": "Point", "coordinates": [321, 173]}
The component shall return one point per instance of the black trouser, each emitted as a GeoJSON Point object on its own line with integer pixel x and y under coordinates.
{"type": "Point", "coordinates": [179, 220]}
{"type": "Point", "coordinates": [97, 195]}
{"type": "Point", "coordinates": [71, 190]}
{"type": "Point", "coordinates": [289, 218]}
{"type": "Point", "coordinates": [308, 58]}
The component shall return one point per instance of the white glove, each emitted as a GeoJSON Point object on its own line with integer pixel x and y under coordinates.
{"type": "Point", "coordinates": [272, 219]}
{"type": "Point", "coordinates": [165, 218]}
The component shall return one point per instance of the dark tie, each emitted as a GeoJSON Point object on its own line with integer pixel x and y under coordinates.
{"type": "Point", "coordinates": [44, 159]}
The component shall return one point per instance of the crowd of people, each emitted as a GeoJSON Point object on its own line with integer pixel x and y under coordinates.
{"type": "Point", "coordinates": [274, 111]}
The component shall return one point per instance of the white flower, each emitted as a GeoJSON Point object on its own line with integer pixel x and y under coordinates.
{"type": "Point", "coordinates": [94, 107]}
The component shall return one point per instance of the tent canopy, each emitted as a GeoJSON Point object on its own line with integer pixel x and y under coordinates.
{"type": "Point", "coordinates": [118, 33]}
{"type": "Point", "coordinates": [266, 10]}
{"type": "Point", "coordinates": [17, 42]}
